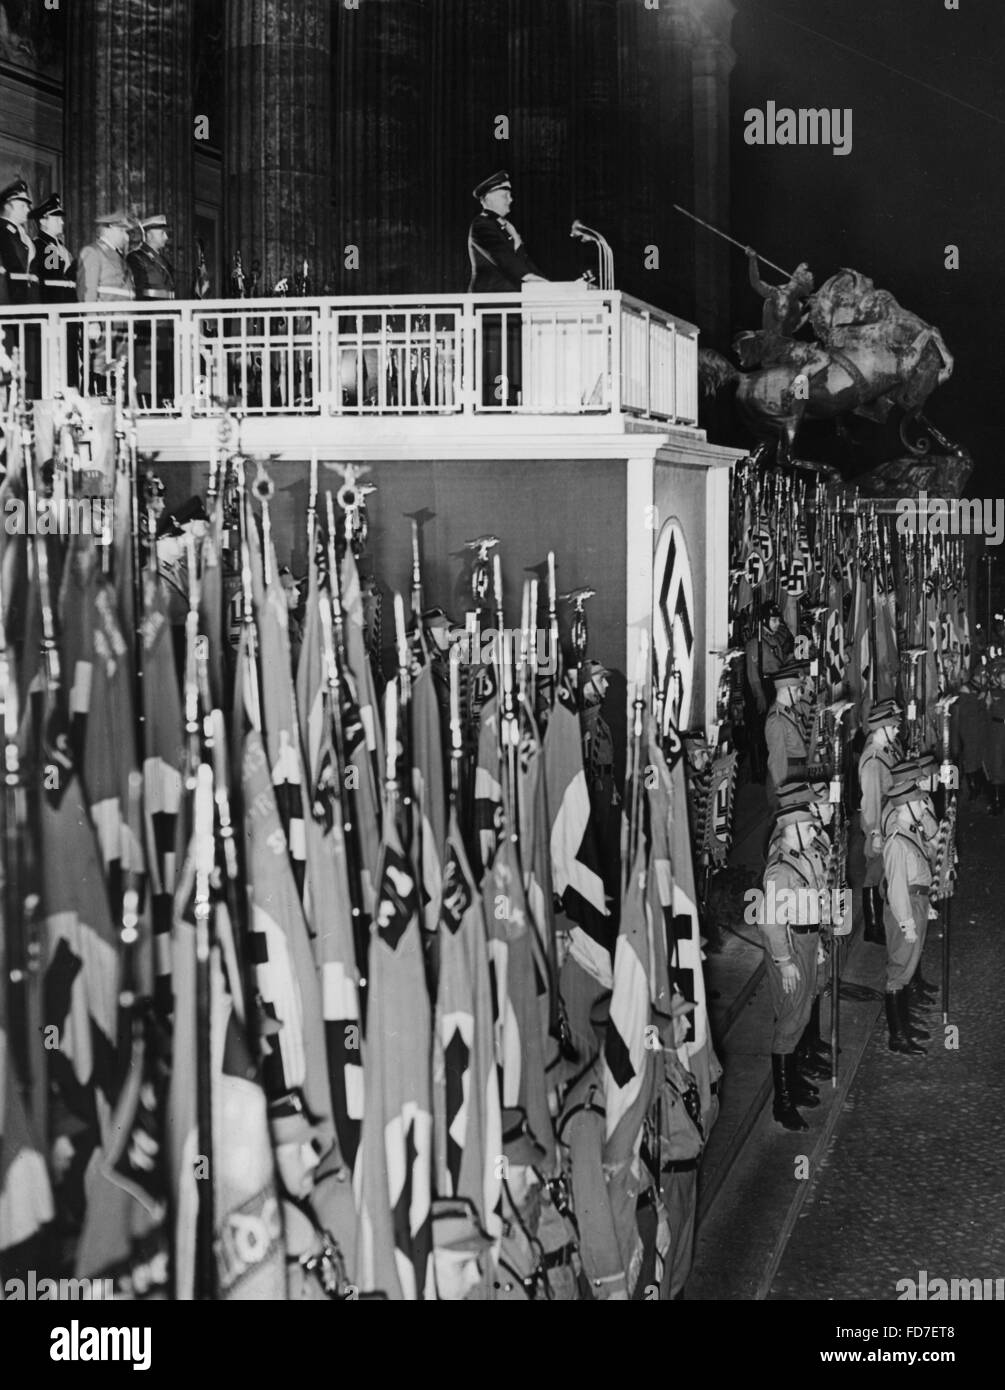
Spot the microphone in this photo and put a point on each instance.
(605, 257)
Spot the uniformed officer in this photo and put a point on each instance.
(17, 250)
(153, 276)
(875, 775)
(153, 273)
(908, 881)
(499, 264)
(921, 772)
(682, 1137)
(57, 269)
(457, 1271)
(783, 731)
(103, 273)
(770, 647)
(789, 919)
(994, 757)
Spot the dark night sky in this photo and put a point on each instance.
(924, 171)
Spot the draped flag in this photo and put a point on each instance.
(364, 751)
(860, 665)
(466, 1083)
(279, 720)
(575, 863)
(98, 680)
(328, 903)
(671, 890)
(518, 982)
(164, 759)
(393, 1178)
(82, 959)
(430, 793)
(628, 1064)
(26, 1204)
(280, 949)
(488, 788)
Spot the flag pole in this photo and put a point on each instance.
(732, 240)
(204, 844)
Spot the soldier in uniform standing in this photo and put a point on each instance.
(104, 277)
(153, 276)
(19, 277)
(783, 731)
(921, 772)
(908, 881)
(789, 920)
(770, 648)
(57, 269)
(499, 264)
(875, 775)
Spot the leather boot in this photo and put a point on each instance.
(784, 1109)
(913, 1019)
(900, 1039)
(872, 915)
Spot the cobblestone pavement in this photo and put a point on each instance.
(914, 1177)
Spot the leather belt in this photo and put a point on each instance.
(801, 929)
(113, 292)
(23, 275)
(158, 294)
(681, 1165)
(61, 284)
(923, 888)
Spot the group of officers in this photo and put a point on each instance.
(43, 269)
(806, 913)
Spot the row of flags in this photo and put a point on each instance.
(861, 589)
(292, 984)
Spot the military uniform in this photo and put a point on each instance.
(605, 803)
(875, 776)
(152, 272)
(908, 878)
(787, 750)
(790, 871)
(17, 251)
(681, 1139)
(580, 1131)
(103, 275)
(57, 269)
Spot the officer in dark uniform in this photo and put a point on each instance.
(598, 762)
(153, 276)
(57, 268)
(19, 279)
(769, 648)
(499, 265)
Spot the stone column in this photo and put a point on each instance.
(277, 153)
(713, 62)
(595, 152)
(384, 137)
(128, 118)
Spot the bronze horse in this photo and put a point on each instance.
(871, 355)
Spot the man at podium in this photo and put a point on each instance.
(499, 265)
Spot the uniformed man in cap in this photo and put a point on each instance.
(499, 264)
(682, 1138)
(103, 273)
(292, 592)
(460, 1252)
(908, 878)
(57, 269)
(19, 281)
(153, 277)
(18, 258)
(784, 734)
(921, 773)
(875, 776)
(769, 647)
(789, 919)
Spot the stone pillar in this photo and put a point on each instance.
(713, 62)
(128, 118)
(595, 153)
(277, 154)
(384, 139)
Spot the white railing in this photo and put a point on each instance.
(560, 350)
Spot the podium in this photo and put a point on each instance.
(565, 338)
